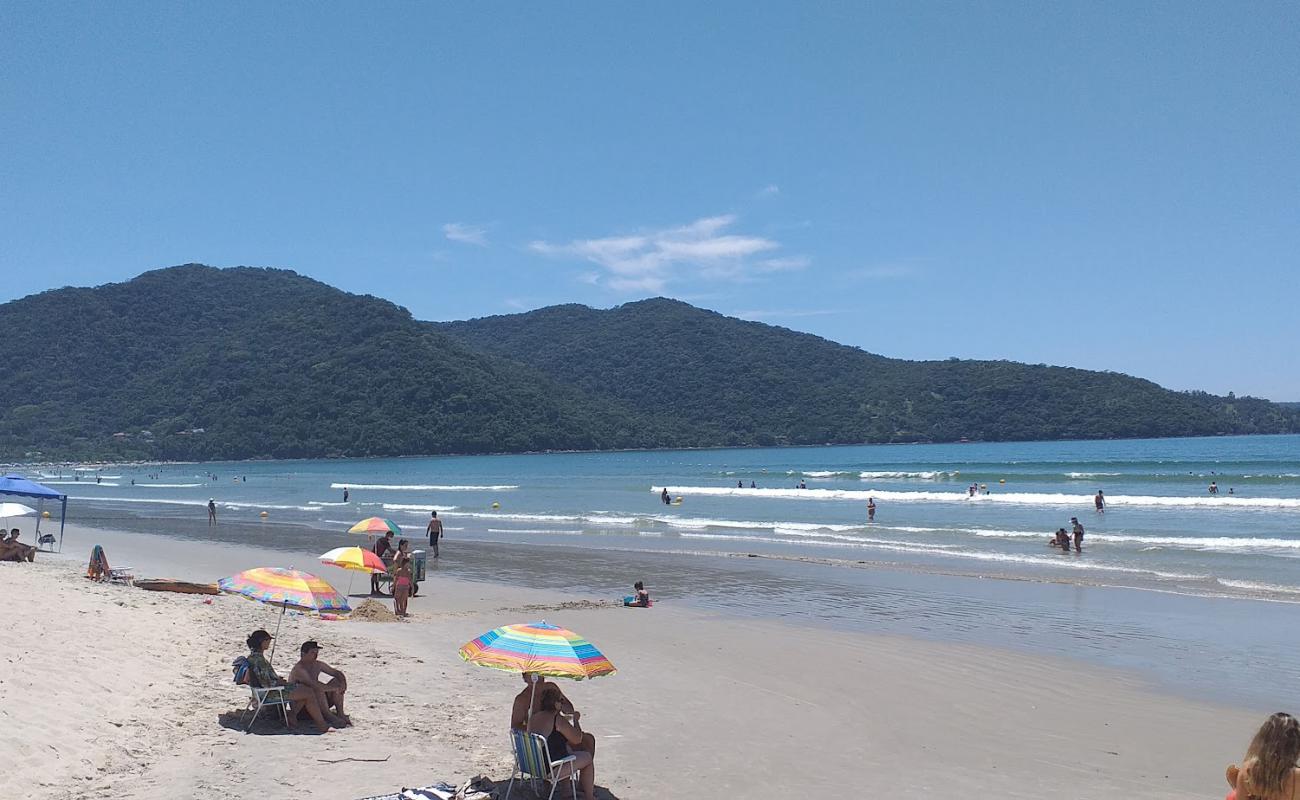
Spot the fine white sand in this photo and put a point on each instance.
(108, 691)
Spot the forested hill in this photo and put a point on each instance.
(740, 382)
(199, 363)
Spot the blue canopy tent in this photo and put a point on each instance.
(20, 486)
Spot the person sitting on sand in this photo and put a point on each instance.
(1270, 770)
(13, 550)
(564, 738)
(639, 600)
(329, 694)
(262, 676)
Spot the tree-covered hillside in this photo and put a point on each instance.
(199, 363)
(738, 382)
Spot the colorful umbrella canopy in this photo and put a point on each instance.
(375, 525)
(355, 558)
(287, 588)
(538, 647)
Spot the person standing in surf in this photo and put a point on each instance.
(434, 530)
(1078, 534)
(1100, 502)
(871, 509)
(212, 511)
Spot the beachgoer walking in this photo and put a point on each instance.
(871, 509)
(1099, 502)
(665, 497)
(1078, 534)
(345, 494)
(753, 485)
(1214, 487)
(212, 511)
(434, 530)
(740, 484)
(1270, 770)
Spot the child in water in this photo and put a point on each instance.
(639, 600)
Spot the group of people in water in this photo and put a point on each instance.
(1062, 539)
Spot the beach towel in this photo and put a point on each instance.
(479, 788)
(97, 570)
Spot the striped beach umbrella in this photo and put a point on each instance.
(354, 558)
(376, 526)
(538, 647)
(286, 588)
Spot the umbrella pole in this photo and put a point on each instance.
(532, 697)
(277, 633)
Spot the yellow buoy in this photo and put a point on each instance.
(1002, 480)
(264, 514)
(45, 514)
(496, 505)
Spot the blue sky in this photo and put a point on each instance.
(1111, 185)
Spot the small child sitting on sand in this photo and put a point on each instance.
(639, 600)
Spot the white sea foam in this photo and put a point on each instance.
(322, 503)
(150, 500)
(1259, 587)
(560, 531)
(925, 476)
(1016, 498)
(1078, 475)
(1228, 544)
(167, 485)
(422, 487)
(86, 482)
(424, 508)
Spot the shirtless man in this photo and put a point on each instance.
(328, 694)
(519, 711)
(434, 529)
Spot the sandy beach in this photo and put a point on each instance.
(111, 691)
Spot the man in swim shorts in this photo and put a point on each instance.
(329, 694)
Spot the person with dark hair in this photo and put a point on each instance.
(639, 600)
(1078, 534)
(1099, 502)
(263, 676)
(1271, 768)
(329, 694)
(382, 546)
(434, 529)
(564, 738)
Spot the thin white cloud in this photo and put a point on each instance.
(650, 260)
(769, 190)
(465, 233)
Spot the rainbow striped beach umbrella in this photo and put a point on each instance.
(538, 647)
(376, 525)
(354, 558)
(286, 588)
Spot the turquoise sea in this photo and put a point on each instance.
(1201, 589)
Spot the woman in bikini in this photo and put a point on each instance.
(1270, 770)
(562, 737)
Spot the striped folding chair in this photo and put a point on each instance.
(533, 762)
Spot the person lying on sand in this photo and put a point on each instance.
(329, 695)
(1270, 770)
(262, 676)
(519, 711)
(565, 738)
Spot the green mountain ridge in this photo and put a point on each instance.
(199, 363)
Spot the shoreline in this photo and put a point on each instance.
(682, 705)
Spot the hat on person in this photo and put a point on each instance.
(310, 644)
(257, 637)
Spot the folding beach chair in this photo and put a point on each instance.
(259, 698)
(99, 570)
(533, 761)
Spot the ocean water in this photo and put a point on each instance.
(1198, 592)
(1161, 530)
